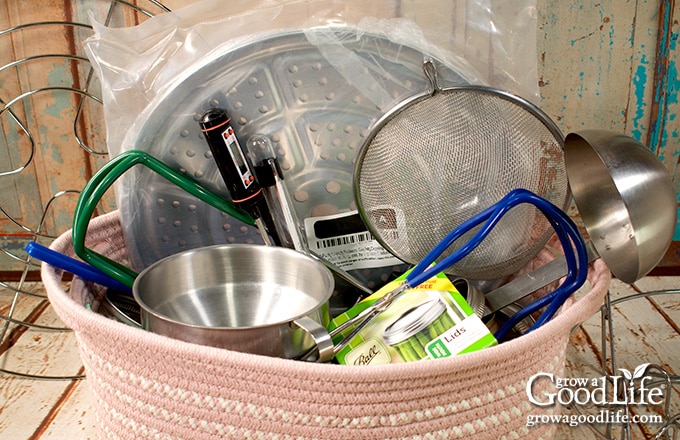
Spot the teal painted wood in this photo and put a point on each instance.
(613, 65)
(664, 135)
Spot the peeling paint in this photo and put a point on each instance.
(63, 104)
(54, 150)
(639, 85)
(672, 88)
(59, 76)
(665, 80)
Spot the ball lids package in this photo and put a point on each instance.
(430, 321)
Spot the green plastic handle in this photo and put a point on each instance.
(103, 179)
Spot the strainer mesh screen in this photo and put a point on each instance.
(446, 157)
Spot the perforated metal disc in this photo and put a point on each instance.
(438, 160)
(316, 106)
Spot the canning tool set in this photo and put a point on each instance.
(428, 266)
(450, 176)
(267, 165)
(435, 166)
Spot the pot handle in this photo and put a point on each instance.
(322, 339)
(102, 181)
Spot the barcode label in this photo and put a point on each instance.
(344, 240)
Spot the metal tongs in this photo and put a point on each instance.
(566, 230)
(114, 169)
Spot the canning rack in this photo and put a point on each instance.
(85, 113)
(24, 106)
(610, 368)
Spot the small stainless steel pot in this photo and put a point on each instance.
(257, 299)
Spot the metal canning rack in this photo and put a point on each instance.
(29, 102)
(33, 152)
(610, 369)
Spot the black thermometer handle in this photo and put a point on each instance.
(230, 158)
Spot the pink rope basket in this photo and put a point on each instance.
(148, 386)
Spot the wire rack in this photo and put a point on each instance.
(668, 426)
(44, 163)
(53, 140)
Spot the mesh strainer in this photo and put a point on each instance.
(439, 158)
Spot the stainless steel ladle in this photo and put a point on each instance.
(628, 205)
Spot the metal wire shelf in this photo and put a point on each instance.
(610, 369)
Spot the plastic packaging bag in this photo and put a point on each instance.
(493, 42)
(313, 76)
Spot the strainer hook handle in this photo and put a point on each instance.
(431, 73)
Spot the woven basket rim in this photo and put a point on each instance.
(80, 319)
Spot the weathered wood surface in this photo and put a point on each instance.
(613, 65)
(600, 64)
(645, 330)
(28, 403)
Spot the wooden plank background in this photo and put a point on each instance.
(608, 64)
(613, 65)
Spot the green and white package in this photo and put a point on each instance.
(431, 321)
